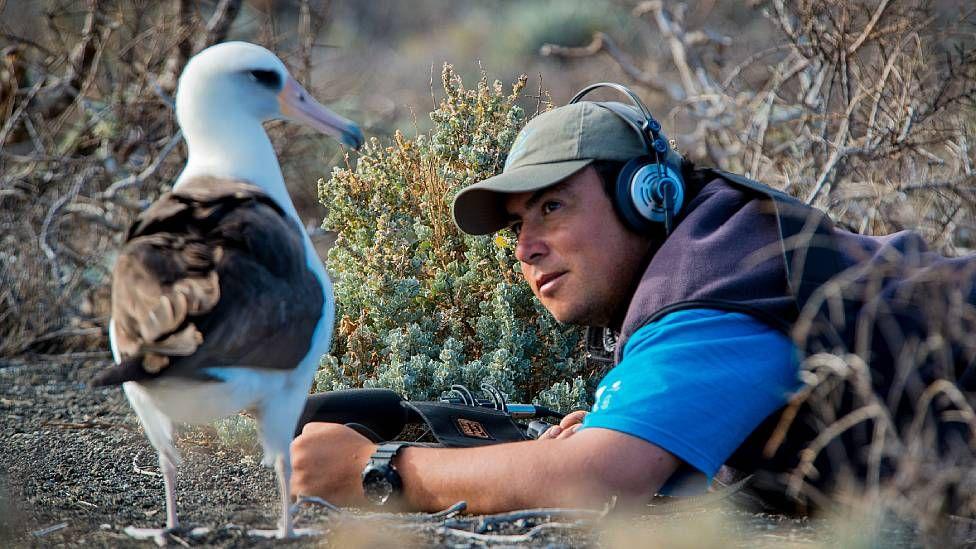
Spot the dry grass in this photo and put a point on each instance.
(89, 138)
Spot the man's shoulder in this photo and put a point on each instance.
(719, 179)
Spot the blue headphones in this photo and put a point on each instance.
(649, 189)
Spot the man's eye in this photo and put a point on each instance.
(550, 206)
(515, 229)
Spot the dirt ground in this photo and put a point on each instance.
(75, 469)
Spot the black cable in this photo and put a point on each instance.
(542, 411)
(666, 188)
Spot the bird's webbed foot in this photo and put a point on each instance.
(166, 536)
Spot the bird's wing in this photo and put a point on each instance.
(212, 274)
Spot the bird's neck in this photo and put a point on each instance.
(234, 148)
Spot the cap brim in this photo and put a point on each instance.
(480, 208)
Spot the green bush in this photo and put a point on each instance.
(422, 306)
(527, 26)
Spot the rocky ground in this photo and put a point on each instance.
(76, 469)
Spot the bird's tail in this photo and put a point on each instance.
(130, 369)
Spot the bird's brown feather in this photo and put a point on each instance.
(212, 274)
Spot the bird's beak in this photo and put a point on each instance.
(296, 104)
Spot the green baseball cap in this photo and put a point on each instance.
(551, 147)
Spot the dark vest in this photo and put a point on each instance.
(744, 247)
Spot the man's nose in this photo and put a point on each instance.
(530, 248)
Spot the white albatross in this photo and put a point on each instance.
(219, 301)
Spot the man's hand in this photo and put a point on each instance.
(327, 461)
(567, 427)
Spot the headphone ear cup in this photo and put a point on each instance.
(639, 193)
(623, 199)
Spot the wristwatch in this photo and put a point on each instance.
(381, 481)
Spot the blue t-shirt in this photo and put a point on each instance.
(696, 383)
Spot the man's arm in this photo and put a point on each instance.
(580, 470)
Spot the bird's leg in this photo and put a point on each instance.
(168, 469)
(276, 421)
(282, 465)
(283, 469)
(277, 425)
(162, 536)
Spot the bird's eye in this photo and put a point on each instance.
(270, 79)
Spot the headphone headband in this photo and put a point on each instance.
(654, 140)
(620, 88)
(649, 189)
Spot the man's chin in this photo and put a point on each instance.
(574, 318)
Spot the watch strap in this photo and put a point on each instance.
(385, 452)
(380, 463)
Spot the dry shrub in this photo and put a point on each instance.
(863, 108)
(89, 139)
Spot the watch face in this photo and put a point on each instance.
(376, 486)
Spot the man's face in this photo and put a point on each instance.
(577, 256)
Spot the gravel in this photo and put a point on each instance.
(75, 468)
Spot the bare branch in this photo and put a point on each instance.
(58, 96)
(220, 22)
(15, 117)
(144, 175)
(868, 28)
(43, 238)
(675, 35)
(184, 46)
(603, 43)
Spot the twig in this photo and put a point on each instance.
(313, 500)
(140, 470)
(458, 507)
(488, 522)
(165, 97)
(65, 332)
(675, 36)
(9, 124)
(493, 520)
(184, 46)
(73, 356)
(949, 389)
(220, 22)
(85, 425)
(59, 96)
(150, 171)
(809, 454)
(28, 42)
(868, 28)
(93, 213)
(49, 220)
(49, 530)
(603, 43)
(502, 538)
(749, 61)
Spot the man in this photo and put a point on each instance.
(704, 302)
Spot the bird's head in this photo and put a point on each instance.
(246, 80)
